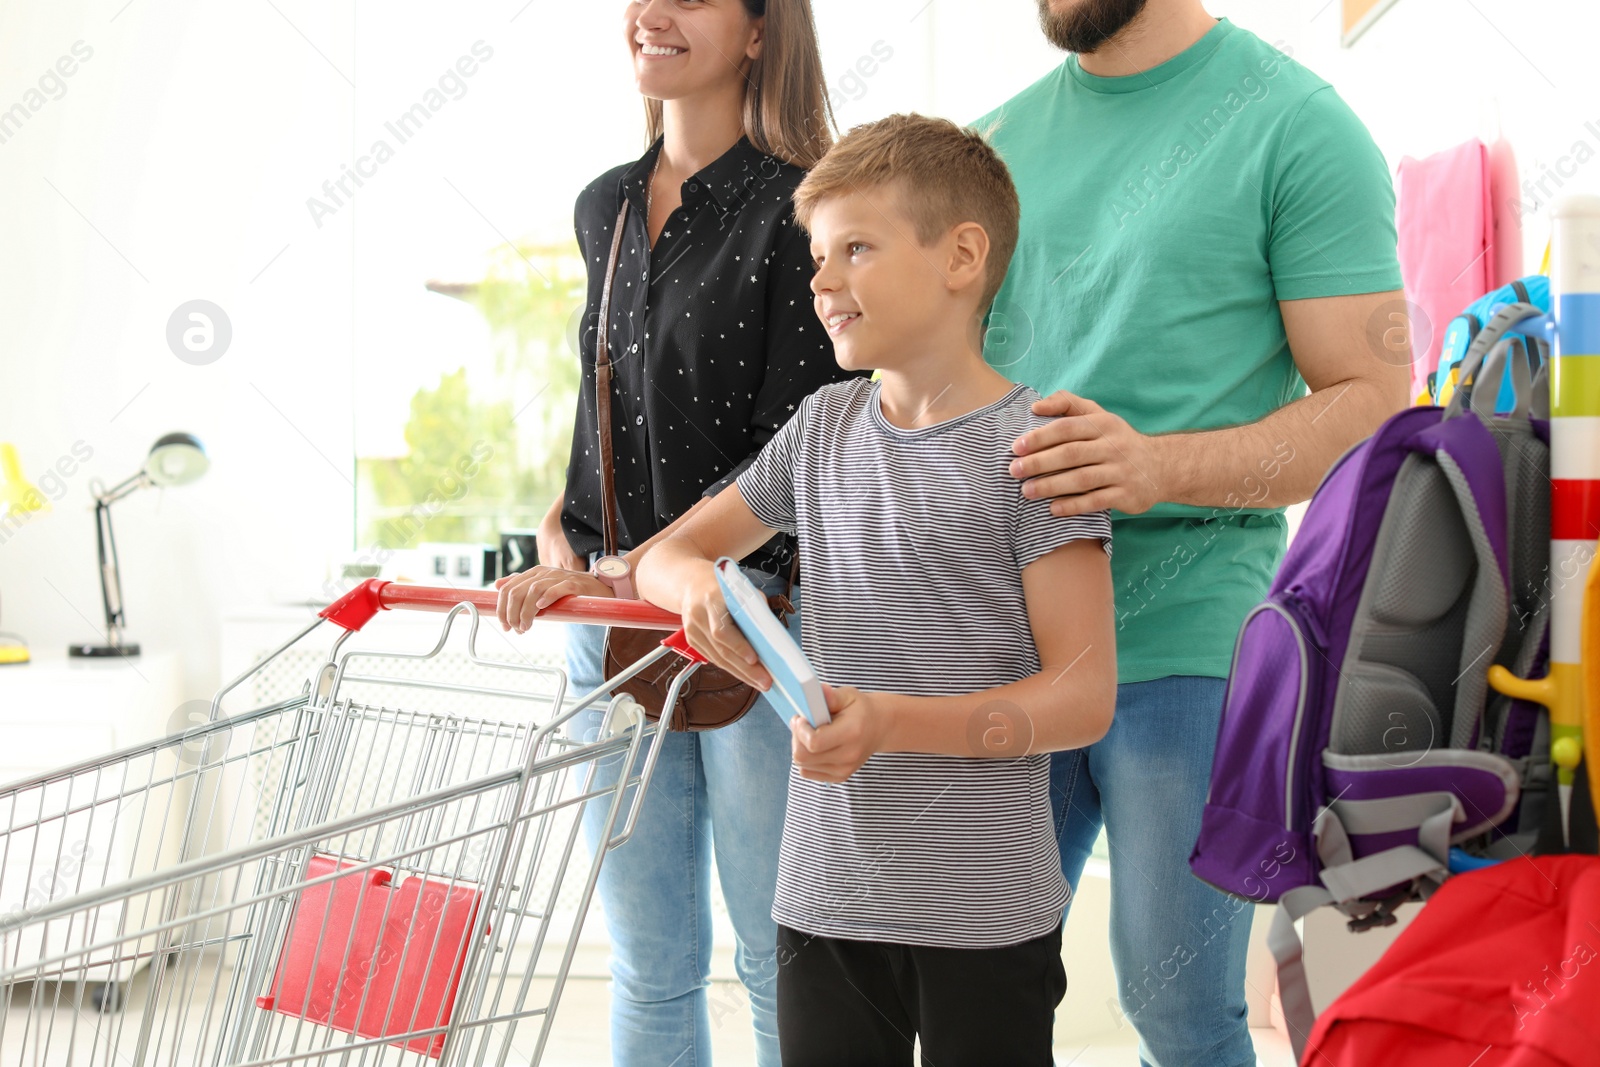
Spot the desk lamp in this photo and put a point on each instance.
(176, 459)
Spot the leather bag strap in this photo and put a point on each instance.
(602, 393)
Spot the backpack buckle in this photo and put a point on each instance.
(1382, 914)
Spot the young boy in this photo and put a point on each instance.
(963, 630)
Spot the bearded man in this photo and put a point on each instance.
(1206, 291)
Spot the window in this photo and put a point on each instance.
(467, 281)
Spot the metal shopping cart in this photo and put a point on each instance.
(364, 879)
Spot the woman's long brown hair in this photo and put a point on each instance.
(786, 110)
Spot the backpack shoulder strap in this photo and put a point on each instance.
(1475, 368)
(1419, 870)
(1469, 457)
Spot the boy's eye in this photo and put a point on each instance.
(856, 248)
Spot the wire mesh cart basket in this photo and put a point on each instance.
(364, 879)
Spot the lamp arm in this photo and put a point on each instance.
(110, 574)
(123, 488)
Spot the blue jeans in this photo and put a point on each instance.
(721, 792)
(1178, 944)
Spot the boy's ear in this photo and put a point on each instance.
(969, 255)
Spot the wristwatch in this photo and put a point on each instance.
(616, 573)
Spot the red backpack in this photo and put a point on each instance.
(1501, 969)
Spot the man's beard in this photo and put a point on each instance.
(1089, 24)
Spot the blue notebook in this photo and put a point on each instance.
(796, 689)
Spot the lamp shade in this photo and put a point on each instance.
(176, 459)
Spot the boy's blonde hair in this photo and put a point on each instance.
(948, 174)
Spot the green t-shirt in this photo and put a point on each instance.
(1164, 215)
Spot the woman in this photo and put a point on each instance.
(713, 342)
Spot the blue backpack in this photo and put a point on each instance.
(1463, 329)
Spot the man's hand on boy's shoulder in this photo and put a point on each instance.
(836, 750)
(1087, 459)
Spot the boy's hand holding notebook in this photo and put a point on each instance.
(796, 689)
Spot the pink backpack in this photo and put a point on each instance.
(1445, 218)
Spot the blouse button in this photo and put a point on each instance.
(638, 420)
(694, 187)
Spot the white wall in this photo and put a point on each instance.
(155, 179)
(177, 164)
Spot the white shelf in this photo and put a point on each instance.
(56, 711)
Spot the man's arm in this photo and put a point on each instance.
(1068, 704)
(1354, 353)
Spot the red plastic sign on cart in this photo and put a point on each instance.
(369, 959)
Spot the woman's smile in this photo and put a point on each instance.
(660, 51)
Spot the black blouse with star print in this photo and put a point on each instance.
(714, 342)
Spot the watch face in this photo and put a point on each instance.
(611, 566)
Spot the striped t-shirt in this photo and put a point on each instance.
(912, 546)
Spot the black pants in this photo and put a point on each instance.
(861, 1003)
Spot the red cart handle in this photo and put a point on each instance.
(353, 610)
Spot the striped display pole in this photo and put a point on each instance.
(1575, 479)
(1574, 493)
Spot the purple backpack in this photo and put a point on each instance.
(1360, 740)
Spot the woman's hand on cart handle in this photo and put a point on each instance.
(520, 597)
(713, 633)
